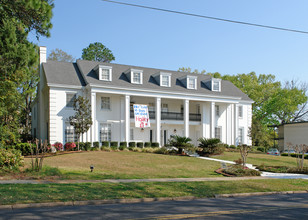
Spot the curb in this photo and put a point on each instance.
(142, 200)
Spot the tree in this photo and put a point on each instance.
(97, 52)
(17, 58)
(189, 70)
(82, 119)
(181, 143)
(60, 55)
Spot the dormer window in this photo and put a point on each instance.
(216, 85)
(136, 76)
(165, 79)
(191, 82)
(104, 72)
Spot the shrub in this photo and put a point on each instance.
(294, 155)
(123, 144)
(10, 159)
(140, 144)
(114, 145)
(161, 150)
(105, 143)
(87, 146)
(238, 170)
(148, 150)
(154, 144)
(58, 146)
(136, 149)
(69, 146)
(25, 148)
(131, 144)
(147, 144)
(81, 146)
(232, 146)
(211, 146)
(108, 149)
(261, 149)
(96, 145)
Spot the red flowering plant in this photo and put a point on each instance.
(69, 146)
(58, 146)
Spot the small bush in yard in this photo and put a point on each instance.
(210, 146)
(81, 146)
(96, 145)
(87, 146)
(25, 148)
(261, 149)
(154, 144)
(131, 144)
(140, 144)
(114, 145)
(58, 146)
(238, 170)
(147, 144)
(123, 146)
(108, 149)
(70, 146)
(105, 143)
(10, 159)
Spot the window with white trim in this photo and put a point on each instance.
(191, 82)
(216, 85)
(70, 135)
(105, 103)
(104, 72)
(70, 98)
(217, 110)
(165, 80)
(136, 76)
(240, 135)
(105, 132)
(240, 111)
(164, 107)
(218, 132)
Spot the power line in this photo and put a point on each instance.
(208, 17)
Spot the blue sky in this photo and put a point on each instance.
(162, 40)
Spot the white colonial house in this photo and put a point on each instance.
(179, 103)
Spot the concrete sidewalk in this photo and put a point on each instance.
(130, 180)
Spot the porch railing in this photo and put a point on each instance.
(177, 116)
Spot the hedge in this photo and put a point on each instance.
(294, 155)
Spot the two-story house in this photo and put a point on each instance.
(179, 103)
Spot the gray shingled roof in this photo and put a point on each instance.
(63, 73)
(75, 73)
(119, 79)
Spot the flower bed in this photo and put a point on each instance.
(238, 170)
(282, 169)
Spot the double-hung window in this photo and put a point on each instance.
(70, 135)
(165, 80)
(105, 132)
(105, 103)
(191, 82)
(240, 135)
(136, 76)
(105, 74)
(216, 85)
(164, 107)
(70, 98)
(218, 132)
(217, 110)
(240, 111)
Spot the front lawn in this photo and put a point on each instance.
(129, 165)
(258, 159)
(31, 193)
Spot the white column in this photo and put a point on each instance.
(122, 118)
(127, 117)
(203, 120)
(186, 117)
(93, 114)
(212, 125)
(236, 124)
(158, 119)
(228, 125)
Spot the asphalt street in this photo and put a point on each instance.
(289, 206)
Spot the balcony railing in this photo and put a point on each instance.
(172, 116)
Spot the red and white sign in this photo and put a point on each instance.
(142, 117)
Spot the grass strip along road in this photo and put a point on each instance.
(33, 193)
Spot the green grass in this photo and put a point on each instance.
(258, 159)
(29, 193)
(128, 165)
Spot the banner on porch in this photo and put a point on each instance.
(142, 117)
